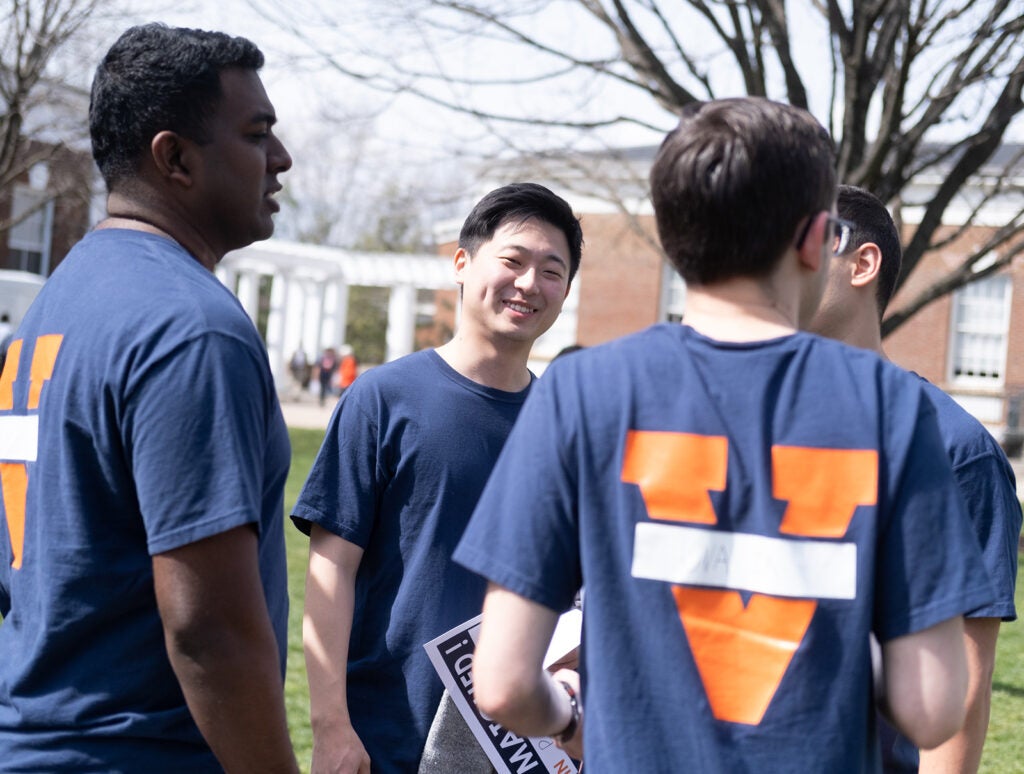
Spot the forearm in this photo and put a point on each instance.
(326, 629)
(962, 753)
(509, 682)
(540, 708)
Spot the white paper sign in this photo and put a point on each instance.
(452, 657)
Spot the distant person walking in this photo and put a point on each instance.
(299, 368)
(326, 367)
(349, 368)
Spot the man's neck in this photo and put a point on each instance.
(860, 328)
(499, 367)
(739, 310)
(866, 337)
(138, 213)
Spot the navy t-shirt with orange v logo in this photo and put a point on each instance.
(137, 415)
(742, 516)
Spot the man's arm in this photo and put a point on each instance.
(326, 628)
(222, 647)
(926, 682)
(509, 680)
(962, 753)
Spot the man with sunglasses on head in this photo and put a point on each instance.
(861, 282)
(740, 500)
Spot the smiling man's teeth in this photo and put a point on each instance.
(520, 308)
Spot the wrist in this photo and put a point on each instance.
(567, 733)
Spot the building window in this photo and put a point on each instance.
(981, 323)
(426, 308)
(673, 294)
(29, 237)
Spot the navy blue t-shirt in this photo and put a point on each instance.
(742, 516)
(989, 490)
(138, 415)
(406, 455)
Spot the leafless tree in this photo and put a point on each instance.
(37, 96)
(920, 94)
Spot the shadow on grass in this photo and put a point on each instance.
(1011, 690)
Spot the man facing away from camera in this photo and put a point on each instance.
(740, 500)
(861, 282)
(142, 448)
(406, 455)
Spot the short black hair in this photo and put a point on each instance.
(731, 183)
(873, 223)
(156, 78)
(518, 202)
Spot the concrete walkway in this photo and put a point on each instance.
(306, 412)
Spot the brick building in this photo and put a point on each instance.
(46, 208)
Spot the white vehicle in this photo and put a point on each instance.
(17, 291)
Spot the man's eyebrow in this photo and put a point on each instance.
(264, 117)
(557, 259)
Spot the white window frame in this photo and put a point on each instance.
(34, 234)
(991, 300)
(673, 294)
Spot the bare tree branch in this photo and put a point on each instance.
(918, 90)
(32, 33)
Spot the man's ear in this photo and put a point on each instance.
(461, 261)
(867, 263)
(810, 254)
(172, 157)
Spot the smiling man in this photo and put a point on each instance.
(142, 448)
(407, 452)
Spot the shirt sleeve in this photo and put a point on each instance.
(342, 490)
(195, 430)
(928, 566)
(989, 492)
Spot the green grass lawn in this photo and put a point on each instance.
(305, 444)
(1004, 747)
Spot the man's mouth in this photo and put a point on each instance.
(521, 308)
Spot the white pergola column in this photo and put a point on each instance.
(333, 315)
(249, 292)
(227, 276)
(401, 321)
(341, 311)
(280, 293)
(308, 314)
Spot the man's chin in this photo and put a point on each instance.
(265, 231)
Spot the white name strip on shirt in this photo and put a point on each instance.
(19, 438)
(781, 567)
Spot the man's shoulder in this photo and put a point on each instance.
(964, 436)
(396, 378)
(401, 368)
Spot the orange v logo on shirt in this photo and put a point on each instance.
(743, 651)
(19, 434)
